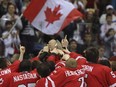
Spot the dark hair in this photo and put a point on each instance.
(25, 65)
(43, 70)
(8, 22)
(104, 62)
(51, 65)
(3, 63)
(109, 30)
(91, 54)
(43, 56)
(100, 46)
(113, 64)
(10, 3)
(2, 48)
(85, 34)
(35, 63)
(72, 41)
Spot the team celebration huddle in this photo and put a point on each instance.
(56, 66)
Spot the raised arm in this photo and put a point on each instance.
(22, 51)
(65, 43)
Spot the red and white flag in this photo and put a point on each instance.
(50, 16)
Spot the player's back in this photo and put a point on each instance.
(23, 79)
(4, 82)
(11, 68)
(63, 77)
(5, 73)
(98, 75)
(74, 78)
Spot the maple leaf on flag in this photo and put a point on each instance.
(52, 16)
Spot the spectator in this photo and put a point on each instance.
(113, 46)
(109, 42)
(92, 21)
(89, 15)
(11, 40)
(105, 27)
(101, 4)
(12, 16)
(109, 10)
(3, 7)
(101, 50)
(88, 40)
(75, 47)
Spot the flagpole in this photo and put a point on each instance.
(13, 27)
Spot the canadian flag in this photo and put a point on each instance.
(51, 16)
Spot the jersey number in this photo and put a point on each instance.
(29, 85)
(82, 80)
(113, 75)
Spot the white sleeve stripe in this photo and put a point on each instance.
(80, 57)
(52, 82)
(46, 83)
(113, 85)
(63, 63)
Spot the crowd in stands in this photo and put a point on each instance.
(82, 55)
(96, 28)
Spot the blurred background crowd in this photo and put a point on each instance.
(96, 28)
